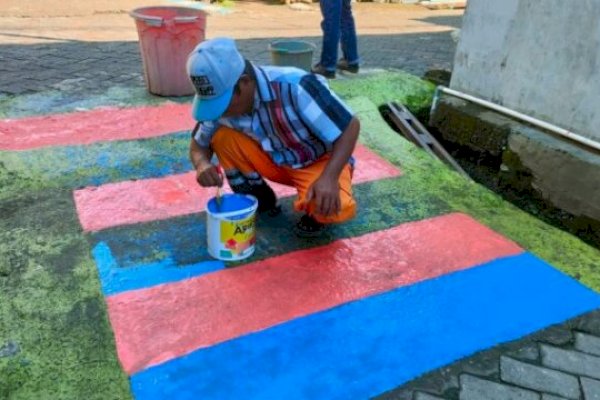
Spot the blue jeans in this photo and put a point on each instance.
(338, 25)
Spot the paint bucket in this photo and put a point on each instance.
(167, 36)
(294, 53)
(231, 226)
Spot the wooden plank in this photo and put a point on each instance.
(414, 131)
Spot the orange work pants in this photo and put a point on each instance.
(236, 150)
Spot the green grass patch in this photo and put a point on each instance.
(415, 93)
(55, 339)
(55, 333)
(435, 180)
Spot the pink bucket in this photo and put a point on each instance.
(167, 36)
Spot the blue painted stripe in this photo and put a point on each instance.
(115, 279)
(105, 162)
(366, 347)
(182, 240)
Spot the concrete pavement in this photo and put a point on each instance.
(89, 47)
(93, 47)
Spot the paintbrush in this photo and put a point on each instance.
(218, 196)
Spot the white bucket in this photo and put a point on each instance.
(231, 226)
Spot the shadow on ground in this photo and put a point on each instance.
(445, 20)
(75, 67)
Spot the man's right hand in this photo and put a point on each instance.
(208, 175)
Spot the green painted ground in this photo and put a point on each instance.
(54, 324)
(430, 176)
(56, 101)
(55, 340)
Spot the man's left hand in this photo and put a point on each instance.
(325, 192)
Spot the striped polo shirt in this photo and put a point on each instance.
(296, 116)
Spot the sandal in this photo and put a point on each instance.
(344, 65)
(273, 212)
(308, 227)
(319, 69)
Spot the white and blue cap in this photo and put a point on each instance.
(214, 68)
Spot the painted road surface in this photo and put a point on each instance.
(125, 254)
(99, 125)
(292, 324)
(160, 198)
(156, 324)
(349, 317)
(419, 279)
(366, 347)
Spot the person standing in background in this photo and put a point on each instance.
(338, 27)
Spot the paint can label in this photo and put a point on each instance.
(238, 236)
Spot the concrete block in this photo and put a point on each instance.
(557, 335)
(574, 362)
(539, 378)
(591, 389)
(562, 171)
(546, 396)
(587, 343)
(471, 126)
(590, 323)
(473, 388)
(426, 396)
(528, 352)
(526, 162)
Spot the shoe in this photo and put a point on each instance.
(267, 201)
(308, 227)
(319, 69)
(344, 66)
(273, 212)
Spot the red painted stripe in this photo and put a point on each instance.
(85, 127)
(167, 321)
(151, 199)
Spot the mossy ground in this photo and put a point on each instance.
(51, 308)
(55, 339)
(559, 248)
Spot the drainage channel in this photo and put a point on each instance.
(485, 169)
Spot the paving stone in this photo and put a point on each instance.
(20, 55)
(45, 75)
(591, 389)
(72, 57)
(15, 66)
(9, 77)
(485, 364)
(557, 335)
(587, 343)
(14, 88)
(442, 382)
(426, 396)
(539, 378)
(571, 361)
(529, 352)
(414, 53)
(590, 323)
(546, 396)
(473, 388)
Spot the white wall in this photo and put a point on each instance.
(538, 57)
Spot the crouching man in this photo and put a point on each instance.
(277, 123)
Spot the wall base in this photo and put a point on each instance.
(544, 174)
